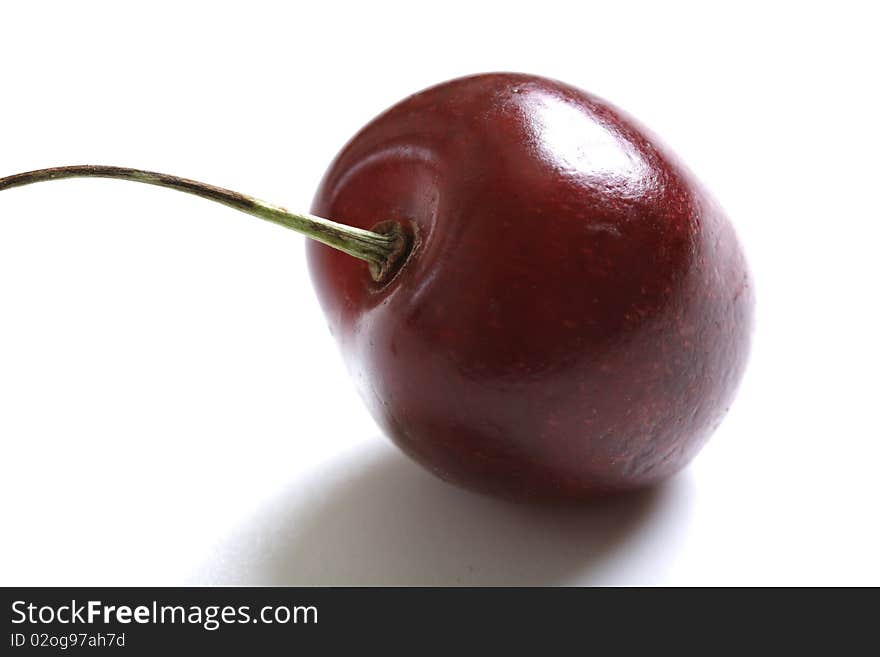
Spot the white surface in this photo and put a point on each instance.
(173, 409)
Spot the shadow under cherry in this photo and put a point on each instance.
(391, 523)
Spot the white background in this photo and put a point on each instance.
(173, 409)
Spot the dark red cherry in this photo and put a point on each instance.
(543, 303)
(574, 316)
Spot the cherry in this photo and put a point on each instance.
(553, 307)
(575, 316)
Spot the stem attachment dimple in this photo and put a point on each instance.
(401, 247)
(385, 248)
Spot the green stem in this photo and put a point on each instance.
(384, 251)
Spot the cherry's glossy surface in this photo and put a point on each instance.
(575, 317)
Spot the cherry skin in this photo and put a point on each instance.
(575, 315)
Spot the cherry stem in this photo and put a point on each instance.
(384, 251)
